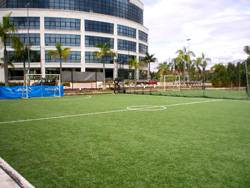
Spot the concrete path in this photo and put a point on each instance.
(6, 181)
(10, 178)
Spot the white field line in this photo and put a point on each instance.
(190, 103)
(61, 117)
(57, 99)
(51, 99)
(98, 113)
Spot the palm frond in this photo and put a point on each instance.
(247, 50)
(53, 53)
(133, 63)
(65, 53)
(104, 51)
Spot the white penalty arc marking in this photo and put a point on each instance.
(146, 108)
(190, 103)
(105, 112)
(152, 108)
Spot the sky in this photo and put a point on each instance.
(219, 28)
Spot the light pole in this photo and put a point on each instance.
(28, 34)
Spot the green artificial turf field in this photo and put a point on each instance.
(99, 142)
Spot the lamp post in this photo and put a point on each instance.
(28, 34)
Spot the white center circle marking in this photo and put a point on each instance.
(146, 108)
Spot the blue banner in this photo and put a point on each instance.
(18, 92)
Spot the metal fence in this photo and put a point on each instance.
(187, 90)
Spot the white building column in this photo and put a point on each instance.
(138, 54)
(115, 70)
(83, 66)
(42, 46)
(1, 75)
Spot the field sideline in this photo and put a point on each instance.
(127, 141)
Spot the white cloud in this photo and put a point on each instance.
(220, 28)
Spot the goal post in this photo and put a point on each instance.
(171, 82)
(39, 85)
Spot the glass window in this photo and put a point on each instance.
(26, 22)
(33, 39)
(62, 23)
(141, 58)
(90, 57)
(126, 45)
(93, 41)
(143, 48)
(126, 31)
(64, 39)
(124, 59)
(143, 36)
(74, 57)
(35, 56)
(101, 27)
(119, 8)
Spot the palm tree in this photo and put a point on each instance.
(148, 59)
(204, 63)
(6, 28)
(197, 64)
(201, 65)
(9, 62)
(247, 50)
(21, 52)
(136, 65)
(104, 51)
(184, 56)
(61, 53)
(177, 66)
(163, 69)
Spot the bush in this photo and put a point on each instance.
(15, 84)
(66, 84)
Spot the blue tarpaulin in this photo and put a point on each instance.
(18, 92)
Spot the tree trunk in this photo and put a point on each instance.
(104, 77)
(5, 65)
(188, 72)
(24, 71)
(137, 74)
(179, 81)
(61, 69)
(149, 76)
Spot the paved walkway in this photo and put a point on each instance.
(6, 181)
(11, 179)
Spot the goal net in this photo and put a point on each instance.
(38, 85)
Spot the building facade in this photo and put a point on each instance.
(80, 25)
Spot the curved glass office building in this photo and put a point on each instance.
(79, 25)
